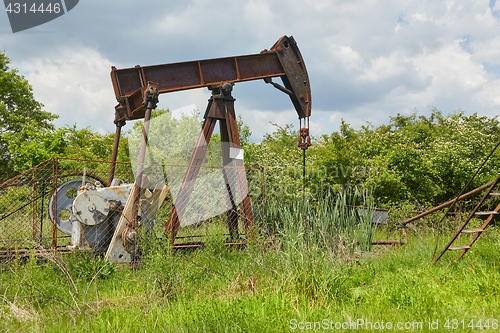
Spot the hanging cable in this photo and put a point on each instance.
(304, 142)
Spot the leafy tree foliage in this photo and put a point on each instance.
(414, 158)
(170, 140)
(24, 125)
(86, 144)
(282, 161)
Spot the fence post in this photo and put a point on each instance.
(55, 172)
(34, 219)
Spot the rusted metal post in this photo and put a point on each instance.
(55, 174)
(263, 189)
(119, 124)
(34, 218)
(234, 170)
(150, 102)
(447, 203)
(193, 169)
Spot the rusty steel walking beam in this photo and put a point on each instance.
(282, 60)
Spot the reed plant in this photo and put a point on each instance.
(339, 222)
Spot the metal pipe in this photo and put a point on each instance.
(140, 164)
(55, 173)
(386, 242)
(114, 154)
(150, 102)
(446, 204)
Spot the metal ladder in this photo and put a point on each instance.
(475, 232)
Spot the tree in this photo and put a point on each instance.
(38, 147)
(340, 157)
(170, 140)
(89, 145)
(24, 125)
(414, 158)
(281, 159)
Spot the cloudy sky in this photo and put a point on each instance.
(367, 59)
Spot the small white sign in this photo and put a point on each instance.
(236, 153)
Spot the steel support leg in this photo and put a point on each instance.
(220, 107)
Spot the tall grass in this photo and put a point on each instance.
(338, 223)
(311, 272)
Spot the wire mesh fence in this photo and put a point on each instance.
(70, 202)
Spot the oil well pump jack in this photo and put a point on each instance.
(137, 90)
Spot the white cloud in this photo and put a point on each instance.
(347, 57)
(452, 70)
(489, 95)
(367, 60)
(487, 51)
(383, 68)
(74, 84)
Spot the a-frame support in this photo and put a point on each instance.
(220, 108)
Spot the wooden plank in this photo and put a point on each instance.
(471, 231)
(456, 248)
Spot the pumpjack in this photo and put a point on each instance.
(121, 210)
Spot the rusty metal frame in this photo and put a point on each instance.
(283, 60)
(220, 108)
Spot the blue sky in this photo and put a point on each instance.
(367, 59)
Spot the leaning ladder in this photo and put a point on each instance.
(475, 232)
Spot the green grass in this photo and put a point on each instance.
(310, 277)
